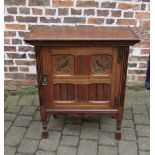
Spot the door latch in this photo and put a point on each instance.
(44, 82)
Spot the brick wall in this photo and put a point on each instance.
(21, 15)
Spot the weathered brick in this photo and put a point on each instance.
(126, 22)
(116, 13)
(31, 76)
(145, 51)
(15, 2)
(24, 10)
(50, 12)
(63, 11)
(141, 78)
(89, 12)
(8, 18)
(144, 23)
(142, 65)
(39, 3)
(102, 12)
(31, 56)
(108, 4)
(110, 21)
(87, 4)
(75, 11)
(124, 6)
(6, 41)
(9, 34)
(138, 58)
(37, 11)
(136, 7)
(26, 19)
(16, 41)
(142, 15)
(143, 6)
(12, 10)
(13, 69)
(131, 65)
(50, 20)
(24, 69)
(24, 62)
(5, 69)
(14, 75)
(16, 55)
(61, 3)
(15, 26)
(136, 71)
(8, 62)
(10, 48)
(128, 14)
(74, 20)
(95, 20)
(22, 34)
(25, 48)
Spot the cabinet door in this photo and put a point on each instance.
(80, 77)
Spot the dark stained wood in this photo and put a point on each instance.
(82, 70)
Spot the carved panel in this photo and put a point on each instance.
(100, 64)
(63, 64)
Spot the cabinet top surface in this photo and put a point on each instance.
(77, 33)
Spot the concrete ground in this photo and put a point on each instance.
(72, 136)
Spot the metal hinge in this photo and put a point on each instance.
(44, 81)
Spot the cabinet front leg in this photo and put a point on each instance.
(44, 123)
(119, 118)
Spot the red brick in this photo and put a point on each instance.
(59, 3)
(145, 51)
(10, 48)
(24, 10)
(63, 11)
(8, 18)
(126, 22)
(12, 10)
(6, 41)
(86, 4)
(9, 34)
(39, 3)
(13, 69)
(50, 20)
(136, 7)
(144, 23)
(50, 12)
(128, 14)
(26, 19)
(15, 26)
(74, 20)
(37, 11)
(142, 15)
(124, 6)
(8, 62)
(142, 45)
(142, 65)
(116, 13)
(89, 12)
(75, 11)
(108, 5)
(14, 2)
(102, 12)
(27, 82)
(96, 21)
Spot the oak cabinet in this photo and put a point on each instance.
(81, 70)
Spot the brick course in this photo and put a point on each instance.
(21, 16)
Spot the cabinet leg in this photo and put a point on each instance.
(44, 123)
(119, 118)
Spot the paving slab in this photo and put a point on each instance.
(69, 140)
(128, 123)
(9, 117)
(65, 150)
(9, 150)
(127, 148)
(50, 144)
(36, 100)
(72, 129)
(12, 100)
(7, 125)
(143, 130)
(90, 130)
(87, 147)
(40, 152)
(36, 116)
(26, 100)
(144, 153)
(141, 119)
(144, 143)
(128, 134)
(107, 150)
(22, 121)
(14, 136)
(28, 146)
(28, 110)
(13, 109)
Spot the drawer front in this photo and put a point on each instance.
(80, 77)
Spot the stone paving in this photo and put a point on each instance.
(76, 136)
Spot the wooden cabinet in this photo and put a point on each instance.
(81, 70)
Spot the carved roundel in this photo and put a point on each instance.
(63, 64)
(100, 64)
